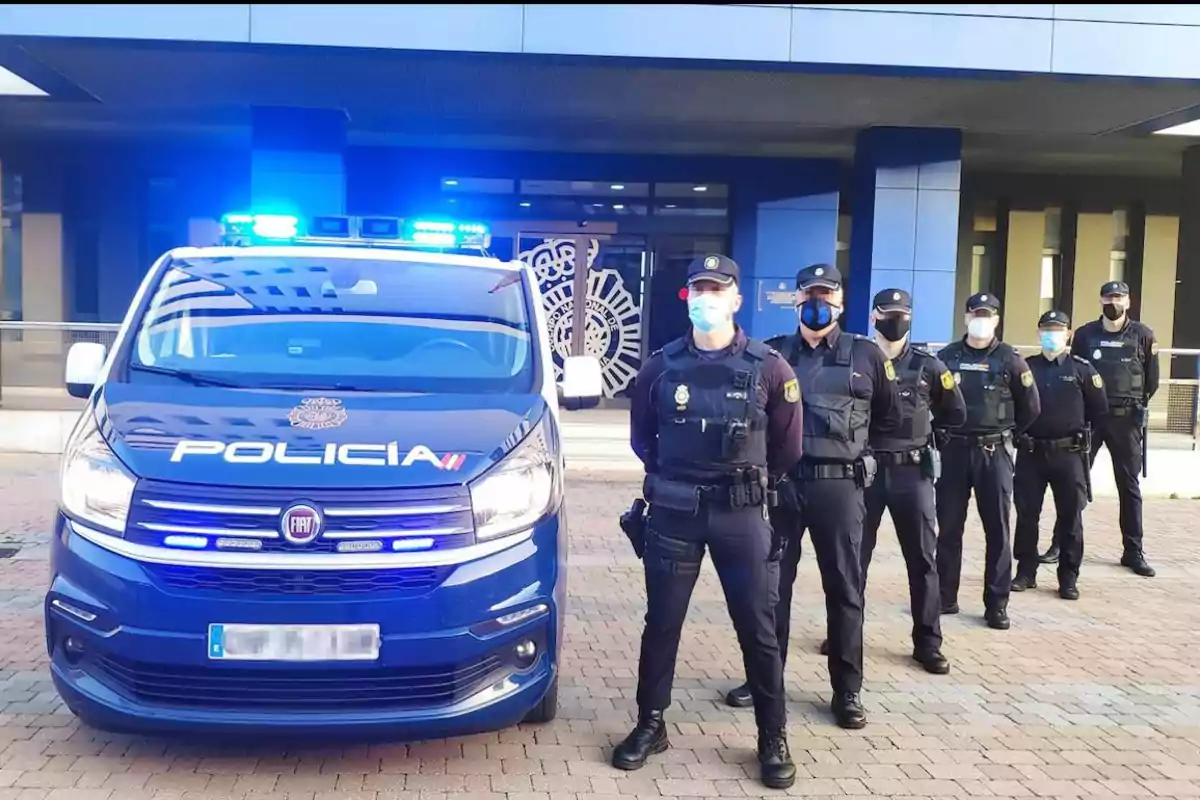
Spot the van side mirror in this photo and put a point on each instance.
(582, 384)
(85, 360)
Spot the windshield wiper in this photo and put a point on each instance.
(189, 377)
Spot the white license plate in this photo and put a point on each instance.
(293, 642)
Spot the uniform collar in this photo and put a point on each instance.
(1061, 358)
(740, 340)
(830, 339)
(991, 348)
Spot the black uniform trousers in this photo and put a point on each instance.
(1064, 471)
(988, 470)
(911, 500)
(1117, 431)
(740, 543)
(832, 511)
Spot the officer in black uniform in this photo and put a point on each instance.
(1125, 353)
(715, 417)
(1002, 400)
(848, 386)
(909, 465)
(1054, 451)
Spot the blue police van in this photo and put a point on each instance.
(317, 485)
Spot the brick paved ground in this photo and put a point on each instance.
(1098, 698)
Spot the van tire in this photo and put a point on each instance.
(547, 709)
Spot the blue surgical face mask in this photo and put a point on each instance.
(709, 312)
(1053, 341)
(817, 314)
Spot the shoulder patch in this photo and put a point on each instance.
(947, 381)
(889, 370)
(1027, 379)
(791, 390)
(1097, 381)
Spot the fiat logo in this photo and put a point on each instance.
(300, 524)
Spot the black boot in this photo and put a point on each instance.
(824, 648)
(997, 618)
(949, 608)
(740, 697)
(648, 738)
(1051, 555)
(933, 661)
(1137, 563)
(778, 771)
(1024, 581)
(848, 711)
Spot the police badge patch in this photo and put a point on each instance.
(1027, 379)
(791, 390)
(889, 370)
(1097, 381)
(318, 414)
(947, 381)
(682, 395)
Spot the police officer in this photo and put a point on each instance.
(1125, 353)
(847, 385)
(908, 468)
(1054, 450)
(1002, 399)
(714, 417)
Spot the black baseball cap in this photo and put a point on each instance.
(814, 275)
(716, 268)
(892, 300)
(1054, 317)
(983, 301)
(1114, 287)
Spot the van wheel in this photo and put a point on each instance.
(547, 709)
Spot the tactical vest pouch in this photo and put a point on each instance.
(931, 464)
(828, 417)
(673, 495)
(866, 468)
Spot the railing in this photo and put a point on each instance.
(33, 355)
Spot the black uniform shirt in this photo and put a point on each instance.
(780, 402)
(943, 395)
(1091, 340)
(874, 377)
(1071, 392)
(1027, 405)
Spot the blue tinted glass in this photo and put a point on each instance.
(351, 322)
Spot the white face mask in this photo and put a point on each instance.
(981, 327)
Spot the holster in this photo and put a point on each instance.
(676, 556)
(931, 463)
(865, 470)
(633, 523)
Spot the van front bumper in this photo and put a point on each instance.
(128, 643)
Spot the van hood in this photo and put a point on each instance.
(278, 439)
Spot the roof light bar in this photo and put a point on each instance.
(242, 230)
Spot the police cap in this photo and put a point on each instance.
(892, 300)
(983, 301)
(1054, 317)
(716, 268)
(815, 275)
(1114, 287)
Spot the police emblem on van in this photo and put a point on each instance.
(300, 524)
(318, 414)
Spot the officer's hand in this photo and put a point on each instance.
(1025, 442)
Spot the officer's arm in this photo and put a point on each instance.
(1150, 359)
(785, 415)
(643, 417)
(1026, 400)
(886, 413)
(946, 400)
(1095, 399)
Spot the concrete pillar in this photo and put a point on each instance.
(905, 228)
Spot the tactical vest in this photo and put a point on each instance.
(914, 430)
(835, 421)
(983, 380)
(709, 422)
(1118, 359)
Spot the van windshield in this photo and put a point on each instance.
(338, 323)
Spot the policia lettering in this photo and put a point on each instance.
(978, 456)
(846, 387)
(711, 426)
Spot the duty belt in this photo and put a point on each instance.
(1073, 443)
(899, 458)
(811, 472)
(981, 439)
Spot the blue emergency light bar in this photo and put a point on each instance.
(241, 230)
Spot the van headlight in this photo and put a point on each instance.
(519, 490)
(94, 485)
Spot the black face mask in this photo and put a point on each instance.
(1112, 311)
(893, 328)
